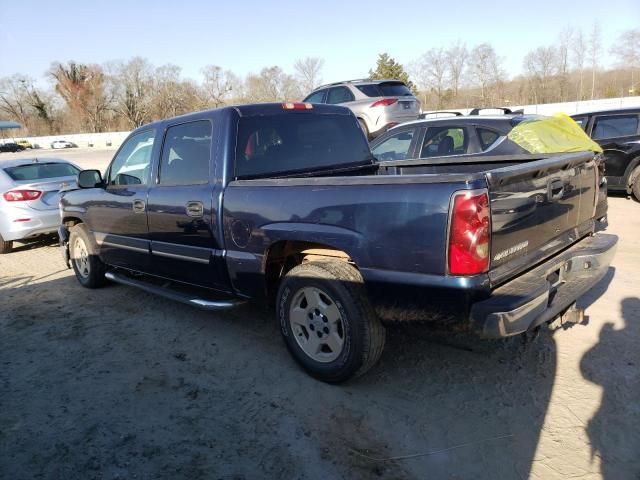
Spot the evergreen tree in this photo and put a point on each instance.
(388, 69)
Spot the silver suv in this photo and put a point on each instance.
(378, 104)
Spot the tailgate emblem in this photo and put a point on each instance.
(511, 250)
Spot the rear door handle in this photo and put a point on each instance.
(195, 209)
(139, 206)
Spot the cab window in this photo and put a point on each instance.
(186, 154)
(316, 97)
(396, 147)
(612, 126)
(132, 164)
(339, 95)
(444, 141)
(487, 138)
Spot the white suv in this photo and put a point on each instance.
(378, 104)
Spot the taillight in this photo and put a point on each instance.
(469, 233)
(385, 102)
(297, 106)
(21, 195)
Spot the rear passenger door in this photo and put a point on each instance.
(445, 141)
(181, 209)
(617, 135)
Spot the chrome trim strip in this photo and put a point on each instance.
(180, 257)
(125, 247)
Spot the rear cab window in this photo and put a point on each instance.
(611, 126)
(41, 171)
(285, 144)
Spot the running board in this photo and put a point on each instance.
(192, 300)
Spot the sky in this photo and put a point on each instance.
(247, 35)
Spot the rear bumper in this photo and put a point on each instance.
(40, 222)
(543, 293)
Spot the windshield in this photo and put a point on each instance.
(298, 141)
(39, 171)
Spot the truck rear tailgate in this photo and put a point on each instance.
(538, 209)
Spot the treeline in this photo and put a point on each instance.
(124, 95)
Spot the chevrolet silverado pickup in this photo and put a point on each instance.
(285, 204)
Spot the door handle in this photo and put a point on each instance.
(195, 209)
(139, 206)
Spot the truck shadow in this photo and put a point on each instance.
(113, 367)
(613, 364)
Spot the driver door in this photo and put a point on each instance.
(118, 218)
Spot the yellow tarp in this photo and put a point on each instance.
(556, 134)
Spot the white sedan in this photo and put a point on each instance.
(61, 144)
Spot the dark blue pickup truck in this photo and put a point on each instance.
(284, 203)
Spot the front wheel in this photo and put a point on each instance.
(6, 246)
(88, 268)
(327, 321)
(635, 186)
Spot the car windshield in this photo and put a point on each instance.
(395, 89)
(40, 171)
(296, 142)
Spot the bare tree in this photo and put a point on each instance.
(594, 50)
(219, 86)
(82, 87)
(132, 87)
(457, 56)
(562, 59)
(308, 72)
(486, 71)
(431, 73)
(627, 52)
(579, 50)
(540, 66)
(14, 100)
(271, 84)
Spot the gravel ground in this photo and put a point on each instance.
(116, 383)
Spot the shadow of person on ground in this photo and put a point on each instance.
(614, 431)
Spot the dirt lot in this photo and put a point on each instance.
(116, 383)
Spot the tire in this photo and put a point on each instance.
(86, 264)
(332, 303)
(364, 128)
(635, 186)
(6, 246)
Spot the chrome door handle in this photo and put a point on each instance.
(139, 206)
(195, 209)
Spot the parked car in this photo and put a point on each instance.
(29, 194)
(61, 144)
(618, 132)
(284, 203)
(458, 143)
(24, 143)
(377, 104)
(11, 147)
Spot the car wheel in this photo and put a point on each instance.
(364, 128)
(327, 322)
(6, 246)
(635, 185)
(87, 266)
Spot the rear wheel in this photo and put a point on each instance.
(88, 268)
(6, 246)
(327, 321)
(635, 185)
(364, 128)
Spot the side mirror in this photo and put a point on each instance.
(89, 179)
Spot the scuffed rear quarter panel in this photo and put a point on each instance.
(393, 223)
